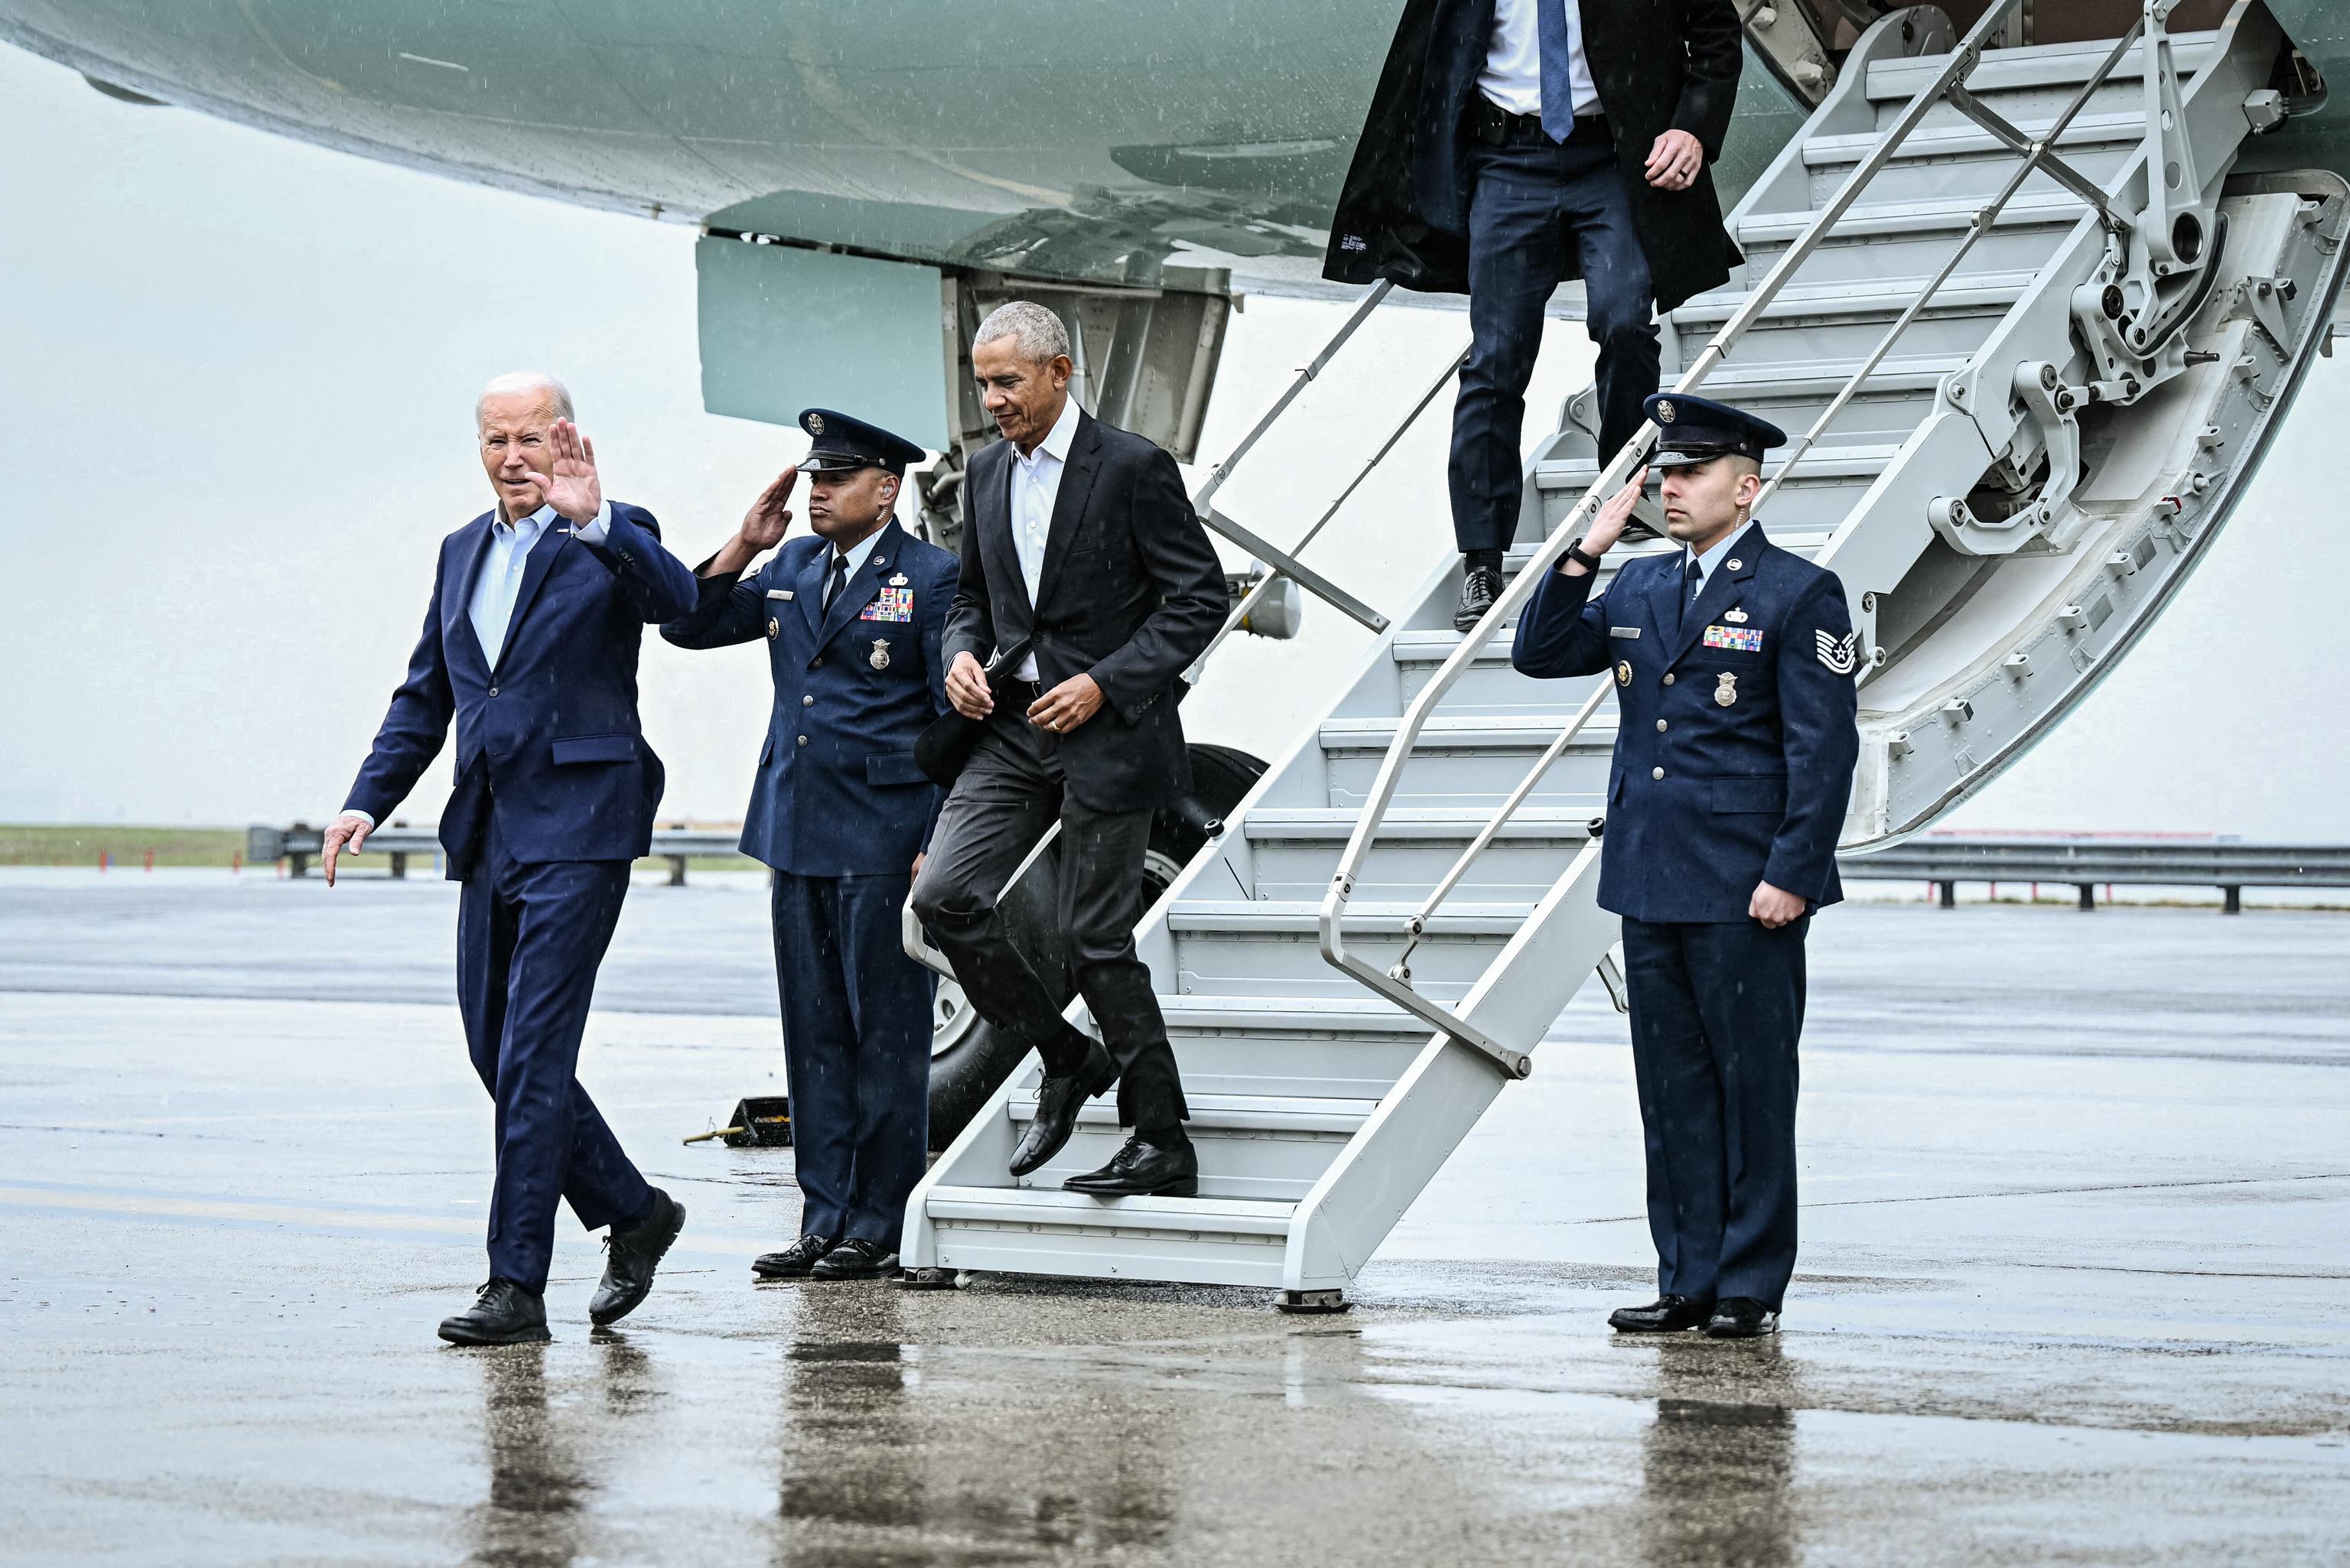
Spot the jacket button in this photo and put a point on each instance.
(494, 691)
(1660, 726)
(808, 701)
(816, 664)
(1656, 773)
(1668, 681)
(803, 740)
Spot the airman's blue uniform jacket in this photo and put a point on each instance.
(839, 794)
(1737, 732)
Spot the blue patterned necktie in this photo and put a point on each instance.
(1557, 90)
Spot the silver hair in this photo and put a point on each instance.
(524, 381)
(1038, 332)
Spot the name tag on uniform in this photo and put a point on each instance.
(779, 593)
(1623, 631)
(889, 604)
(1743, 638)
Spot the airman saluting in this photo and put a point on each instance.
(852, 617)
(1734, 662)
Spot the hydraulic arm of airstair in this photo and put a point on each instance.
(2034, 338)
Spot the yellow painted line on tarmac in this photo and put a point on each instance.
(299, 1214)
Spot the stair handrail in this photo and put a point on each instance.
(2036, 154)
(1331, 933)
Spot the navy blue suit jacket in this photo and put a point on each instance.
(1708, 797)
(546, 726)
(839, 794)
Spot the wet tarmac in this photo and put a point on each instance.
(2077, 1240)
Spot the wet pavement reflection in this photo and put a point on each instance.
(1718, 1472)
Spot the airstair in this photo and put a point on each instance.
(2034, 337)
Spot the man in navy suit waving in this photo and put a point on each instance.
(852, 617)
(530, 649)
(1735, 740)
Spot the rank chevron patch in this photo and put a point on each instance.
(1839, 654)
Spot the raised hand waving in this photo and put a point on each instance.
(573, 489)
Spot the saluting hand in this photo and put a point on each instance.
(572, 488)
(1608, 526)
(763, 525)
(1674, 162)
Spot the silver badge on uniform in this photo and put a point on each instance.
(1726, 691)
(1735, 563)
(881, 657)
(1666, 413)
(899, 581)
(1734, 615)
(1624, 673)
(774, 627)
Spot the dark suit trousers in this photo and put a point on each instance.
(856, 1051)
(529, 939)
(1008, 795)
(1530, 202)
(1716, 1011)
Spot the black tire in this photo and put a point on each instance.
(970, 1057)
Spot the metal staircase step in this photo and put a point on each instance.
(1285, 917)
(2033, 66)
(1039, 1231)
(1866, 222)
(1332, 1048)
(1213, 1112)
(1983, 292)
(1970, 140)
(1296, 850)
(1443, 825)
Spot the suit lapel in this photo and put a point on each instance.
(808, 592)
(1721, 588)
(457, 609)
(862, 584)
(534, 573)
(1069, 503)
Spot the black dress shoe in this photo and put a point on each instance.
(1665, 1315)
(1742, 1317)
(630, 1257)
(857, 1259)
(1143, 1168)
(1479, 589)
(1057, 1100)
(795, 1262)
(502, 1313)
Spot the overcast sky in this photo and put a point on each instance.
(235, 384)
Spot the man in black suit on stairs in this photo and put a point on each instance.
(1088, 586)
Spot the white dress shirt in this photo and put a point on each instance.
(1709, 561)
(858, 555)
(1513, 75)
(498, 583)
(1035, 486)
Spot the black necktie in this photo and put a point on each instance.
(1696, 579)
(834, 578)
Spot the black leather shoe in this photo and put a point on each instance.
(502, 1313)
(1139, 1169)
(857, 1259)
(1479, 589)
(1057, 1100)
(1742, 1317)
(629, 1257)
(1665, 1315)
(795, 1262)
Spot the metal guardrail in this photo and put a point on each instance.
(301, 844)
(2086, 862)
(2039, 154)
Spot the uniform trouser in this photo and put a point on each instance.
(529, 939)
(857, 1052)
(1716, 1011)
(1008, 795)
(1528, 203)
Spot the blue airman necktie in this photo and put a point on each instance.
(1557, 89)
(834, 578)
(1695, 578)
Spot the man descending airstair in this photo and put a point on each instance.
(2032, 333)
